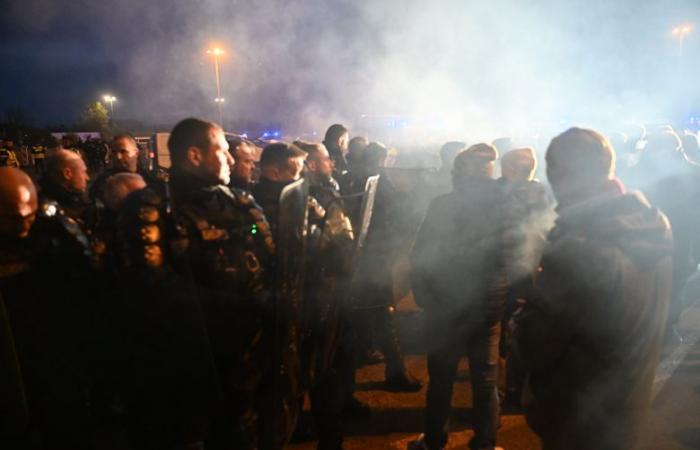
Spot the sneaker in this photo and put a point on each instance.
(355, 409)
(402, 383)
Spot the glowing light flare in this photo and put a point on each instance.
(219, 100)
(216, 51)
(682, 30)
(110, 99)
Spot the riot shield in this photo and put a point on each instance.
(365, 216)
(361, 225)
(291, 259)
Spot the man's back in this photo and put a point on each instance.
(592, 338)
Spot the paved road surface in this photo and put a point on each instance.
(674, 422)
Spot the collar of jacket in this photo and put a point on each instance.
(63, 196)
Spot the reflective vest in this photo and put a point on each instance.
(38, 152)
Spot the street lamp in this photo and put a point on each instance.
(216, 51)
(681, 31)
(110, 99)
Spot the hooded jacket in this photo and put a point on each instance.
(591, 338)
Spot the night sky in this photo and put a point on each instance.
(312, 62)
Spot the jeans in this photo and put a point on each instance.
(481, 345)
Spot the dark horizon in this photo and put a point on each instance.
(474, 69)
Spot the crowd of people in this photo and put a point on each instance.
(197, 306)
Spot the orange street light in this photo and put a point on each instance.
(681, 31)
(216, 51)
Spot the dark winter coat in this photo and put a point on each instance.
(458, 263)
(592, 337)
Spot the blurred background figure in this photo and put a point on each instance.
(336, 142)
(243, 171)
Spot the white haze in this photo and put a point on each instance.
(450, 69)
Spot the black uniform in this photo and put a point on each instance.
(326, 348)
(73, 204)
(198, 266)
(267, 194)
(45, 293)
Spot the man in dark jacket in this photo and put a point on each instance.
(197, 266)
(65, 183)
(336, 141)
(592, 335)
(45, 268)
(458, 278)
(280, 165)
(124, 156)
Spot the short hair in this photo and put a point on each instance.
(334, 133)
(582, 154)
(312, 149)
(59, 161)
(189, 133)
(279, 154)
(357, 144)
(374, 153)
(126, 136)
(237, 142)
(119, 186)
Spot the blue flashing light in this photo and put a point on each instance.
(276, 134)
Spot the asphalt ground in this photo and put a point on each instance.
(397, 418)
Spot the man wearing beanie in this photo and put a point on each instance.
(458, 278)
(591, 335)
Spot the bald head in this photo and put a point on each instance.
(119, 186)
(68, 170)
(18, 203)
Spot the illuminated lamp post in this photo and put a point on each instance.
(110, 99)
(681, 32)
(217, 52)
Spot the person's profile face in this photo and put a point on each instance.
(292, 170)
(343, 142)
(244, 166)
(323, 163)
(216, 161)
(79, 176)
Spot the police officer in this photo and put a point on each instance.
(198, 264)
(325, 346)
(124, 155)
(336, 142)
(243, 171)
(280, 165)
(8, 157)
(38, 156)
(43, 273)
(65, 182)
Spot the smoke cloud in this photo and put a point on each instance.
(447, 69)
